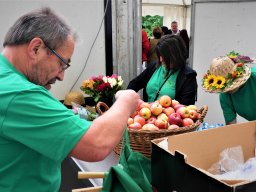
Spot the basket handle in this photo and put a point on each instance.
(101, 107)
(203, 112)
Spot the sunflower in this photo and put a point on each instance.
(219, 82)
(209, 81)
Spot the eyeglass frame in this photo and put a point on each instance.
(66, 64)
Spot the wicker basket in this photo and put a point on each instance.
(140, 140)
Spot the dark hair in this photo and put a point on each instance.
(164, 30)
(43, 23)
(173, 50)
(157, 32)
(184, 36)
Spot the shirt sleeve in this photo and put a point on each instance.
(227, 107)
(43, 124)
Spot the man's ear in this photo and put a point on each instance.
(34, 47)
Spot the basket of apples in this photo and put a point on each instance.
(161, 118)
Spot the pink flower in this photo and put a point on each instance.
(114, 76)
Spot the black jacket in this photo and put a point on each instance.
(186, 84)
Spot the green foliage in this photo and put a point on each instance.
(149, 22)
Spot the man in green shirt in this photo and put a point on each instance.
(37, 131)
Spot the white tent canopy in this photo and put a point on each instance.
(171, 10)
(168, 2)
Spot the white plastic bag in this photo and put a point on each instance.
(231, 159)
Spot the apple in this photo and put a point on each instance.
(161, 123)
(130, 121)
(187, 122)
(162, 116)
(168, 110)
(139, 119)
(176, 107)
(173, 126)
(151, 120)
(183, 111)
(149, 127)
(157, 101)
(165, 101)
(192, 107)
(139, 103)
(156, 108)
(145, 113)
(174, 102)
(134, 114)
(175, 118)
(135, 125)
(144, 104)
(193, 114)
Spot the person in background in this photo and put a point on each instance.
(174, 28)
(185, 37)
(36, 130)
(235, 82)
(145, 48)
(170, 75)
(157, 34)
(165, 30)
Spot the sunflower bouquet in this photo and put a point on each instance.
(214, 81)
(102, 87)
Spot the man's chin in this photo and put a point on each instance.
(48, 86)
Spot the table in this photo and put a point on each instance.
(101, 166)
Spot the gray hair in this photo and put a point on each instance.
(43, 23)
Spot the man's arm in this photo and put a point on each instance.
(106, 130)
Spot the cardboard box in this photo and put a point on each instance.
(182, 167)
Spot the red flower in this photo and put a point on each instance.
(239, 64)
(102, 87)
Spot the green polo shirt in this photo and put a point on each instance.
(157, 79)
(36, 133)
(242, 102)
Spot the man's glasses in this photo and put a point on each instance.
(65, 64)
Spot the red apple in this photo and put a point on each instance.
(135, 125)
(139, 119)
(130, 121)
(151, 120)
(193, 114)
(174, 102)
(162, 116)
(156, 108)
(187, 122)
(150, 127)
(134, 114)
(173, 126)
(168, 110)
(183, 111)
(161, 124)
(174, 118)
(145, 113)
(176, 107)
(139, 103)
(165, 101)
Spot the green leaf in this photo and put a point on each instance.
(149, 22)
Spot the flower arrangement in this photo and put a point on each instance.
(102, 86)
(213, 82)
